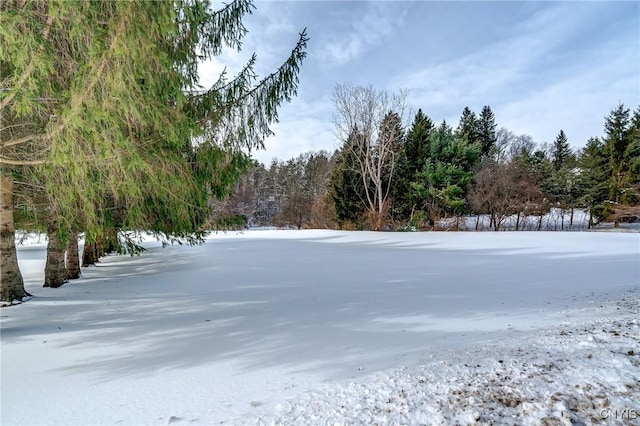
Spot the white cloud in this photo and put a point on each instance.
(295, 138)
(304, 126)
(370, 24)
(577, 104)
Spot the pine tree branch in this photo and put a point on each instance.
(27, 73)
(255, 108)
(77, 102)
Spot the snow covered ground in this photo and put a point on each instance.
(328, 327)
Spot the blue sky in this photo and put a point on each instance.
(541, 66)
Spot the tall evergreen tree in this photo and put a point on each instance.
(412, 160)
(469, 126)
(561, 185)
(487, 131)
(617, 139)
(562, 153)
(592, 181)
(416, 147)
(346, 185)
(631, 159)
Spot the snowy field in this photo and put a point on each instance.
(329, 327)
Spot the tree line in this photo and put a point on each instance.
(105, 129)
(388, 176)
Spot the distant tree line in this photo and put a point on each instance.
(388, 177)
(286, 194)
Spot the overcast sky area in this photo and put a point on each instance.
(541, 66)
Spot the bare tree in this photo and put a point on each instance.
(376, 118)
(504, 140)
(296, 211)
(520, 145)
(502, 190)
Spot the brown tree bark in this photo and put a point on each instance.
(99, 249)
(89, 254)
(55, 273)
(73, 257)
(11, 282)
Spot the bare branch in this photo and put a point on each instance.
(12, 162)
(24, 139)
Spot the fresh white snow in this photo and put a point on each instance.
(329, 327)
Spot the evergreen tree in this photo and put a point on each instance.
(592, 179)
(317, 172)
(617, 132)
(561, 185)
(631, 160)
(416, 147)
(448, 170)
(412, 159)
(469, 126)
(562, 154)
(487, 131)
(346, 184)
(617, 140)
(102, 100)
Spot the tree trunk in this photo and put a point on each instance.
(540, 222)
(11, 282)
(518, 220)
(89, 254)
(100, 250)
(55, 273)
(571, 219)
(111, 244)
(73, 257)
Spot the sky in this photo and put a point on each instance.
(540, 66)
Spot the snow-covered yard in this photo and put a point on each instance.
(328, 327)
